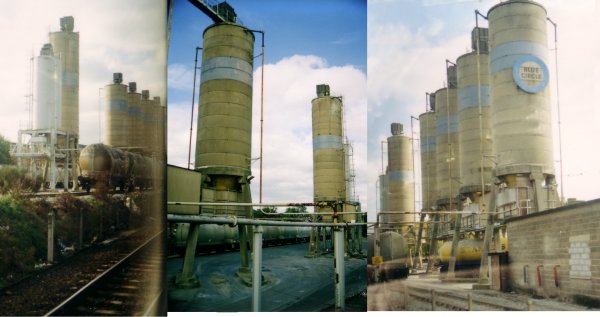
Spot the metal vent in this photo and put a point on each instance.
(397, 128)
(452, 79)
(483, 40)
(67, 24)
(132, 87)
(322, 90)
(117, 78)
(432, 101)
(46, 50)
(145, 94)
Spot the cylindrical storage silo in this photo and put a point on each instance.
(147, 118)
(66, 45)
(474, 136)
(401, 193)
(521, 118)
(159, 127)
(223, 142)
(136, 128)
(427, 127)
(116, 115)
(447, 147)
(48, 90)
(328, 153)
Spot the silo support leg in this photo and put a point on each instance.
(257, 269)
(340, 277)
(186, 277)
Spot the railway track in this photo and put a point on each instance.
(132, 286)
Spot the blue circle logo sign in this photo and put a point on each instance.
(531, 74)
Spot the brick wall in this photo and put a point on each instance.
(565, 240)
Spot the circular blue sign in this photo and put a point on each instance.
(531, 74)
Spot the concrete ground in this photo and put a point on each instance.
(292, 282)
(388, 296)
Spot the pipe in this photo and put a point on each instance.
(556, 275)
(257, 269)
(193, 101)
(262, 86)
(412, 138)
(234, 221)
(340, 275)
(558, 108)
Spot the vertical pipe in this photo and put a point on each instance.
(193, 101)
(186, 276)
(340, 277)
(433, 299)
(469, 301)
(257, 269)
(558, 108)
(262, 85)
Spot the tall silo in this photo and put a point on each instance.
(147, 118)
(224, 134)
(136, 128)
(427, 128)
(447, 166)
(521, 111)
(401, 193)
(328, 153)
(159, 128)
(474, 120)
(116, 123)
(66, 45)
(48, 90)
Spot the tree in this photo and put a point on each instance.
(5, 151)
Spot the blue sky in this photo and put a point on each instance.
(306, 43)
(409, 41)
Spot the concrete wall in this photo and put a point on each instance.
(566, 238)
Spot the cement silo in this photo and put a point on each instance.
(427, 127)
(521, 111)
(223, 141)
(328, 153)
(401, 193)
(147, 120)
(48, 90)
(116, 116)
(66, 45)
(136, 127)
(474, 120)
(447, 160)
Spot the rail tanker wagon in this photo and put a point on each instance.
(394, 252)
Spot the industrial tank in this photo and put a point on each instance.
(104, 164)
(474, 136)
(147, 118)
(521, 111)
(223, 143)
(401, 193)
(48, 90)
(427, 127)
(66, 45)
(447, 147)
(116, 123)
(394, 253)
(328, 154)
(136, 127)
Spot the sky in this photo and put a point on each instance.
(306, 43)
(115, 36)
(409, 42)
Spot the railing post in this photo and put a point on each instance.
(529, 304)
(469, 301)
(340, 283)
(433, 299)
(257, 269)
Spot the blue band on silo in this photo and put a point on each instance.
(119, 105)
(327, 142)
(226, 68)
(467, 97)
(505, 55)
(428, 144)
(442, 124)
(400, 176)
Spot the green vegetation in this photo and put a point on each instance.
(15, 181)
(5, 151)
(290, 213)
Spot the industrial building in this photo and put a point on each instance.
(488, 186)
